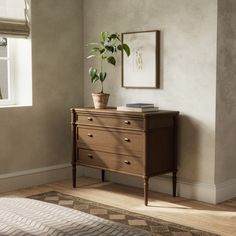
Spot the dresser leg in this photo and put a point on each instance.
(74, 175)
(174, 181)
(146, 190)
(103, 175)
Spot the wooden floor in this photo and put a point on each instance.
(219, 219)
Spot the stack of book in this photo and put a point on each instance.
(138, 107)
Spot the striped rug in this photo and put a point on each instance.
(149, 225)
(23, 217)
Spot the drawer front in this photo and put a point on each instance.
(115, 162)
(111, 141)
(114, 122)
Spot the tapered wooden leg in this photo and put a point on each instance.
(74, 175)
(174, 180)
(146, 190)
(103, 175)
(175, 154)
(74, 146)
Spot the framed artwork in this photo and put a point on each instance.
(142, 68)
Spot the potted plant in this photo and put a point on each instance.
(110, 44)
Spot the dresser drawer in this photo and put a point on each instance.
(114, 122)
(111, 161)
(126, 143)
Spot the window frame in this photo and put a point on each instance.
(10, 73)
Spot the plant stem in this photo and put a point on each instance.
(102, 87)
(101, 64)
(102, 72)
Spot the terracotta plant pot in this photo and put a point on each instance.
(100, 100)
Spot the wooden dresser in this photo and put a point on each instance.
(134, 143)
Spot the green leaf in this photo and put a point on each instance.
(90, 56)
(102, 50)
(95, 78)
(110, 48)
(102, 76)
(104, 35)
(92, 44)
(119, 47)
(111, 60)
(118, 37)
(95, 49)
(126, 49)
(114, 36)
(92, 72)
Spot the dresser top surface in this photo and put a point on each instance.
(112, 110)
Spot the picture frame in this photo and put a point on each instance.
(142, 68)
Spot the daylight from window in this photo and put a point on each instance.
(15, 72)
(4, 69)
(15, 54)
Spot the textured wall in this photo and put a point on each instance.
(188, 68)
(226, 95)
(39, 136)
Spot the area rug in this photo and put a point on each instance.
(153, 226)
(29, 217)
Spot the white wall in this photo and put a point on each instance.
(225, 174)
(188, 70)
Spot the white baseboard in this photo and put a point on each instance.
(185, 188)
(226, 190)
(193, 190)
(28, 178)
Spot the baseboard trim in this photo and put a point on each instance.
(33, 177)
(226, 190)
(204, 192)
(185, 188)
(209, 193)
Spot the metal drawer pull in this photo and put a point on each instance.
(90, 118)
(90, 156)
(127, 162)
(127, 139)
(90, 135)
(127, 122)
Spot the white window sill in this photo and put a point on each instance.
(14, 106)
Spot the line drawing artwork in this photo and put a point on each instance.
(141, 69)
(137, 59)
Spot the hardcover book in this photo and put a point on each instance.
(140, 105)
(137, 109)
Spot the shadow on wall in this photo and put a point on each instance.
(188, 148)
(162, 60)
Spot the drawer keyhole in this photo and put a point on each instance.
(90, 118)
(127, 139)
(127, 122)
(90, 135)
(127, 162)
(90, 156)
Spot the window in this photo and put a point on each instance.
(15, 53)
(15, 72)
(5, 92)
